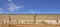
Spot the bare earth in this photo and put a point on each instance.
(29, 25)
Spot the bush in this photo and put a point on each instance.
(42, 22)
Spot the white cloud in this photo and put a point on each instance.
(1, 12)
(31, 11)
(9, 0)
(1, 9)
(13, 7)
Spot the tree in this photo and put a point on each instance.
(35, 19)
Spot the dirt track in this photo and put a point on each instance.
(29, 25)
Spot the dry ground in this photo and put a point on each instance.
(29, 25)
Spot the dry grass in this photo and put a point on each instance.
(30, 17)
(29, 25)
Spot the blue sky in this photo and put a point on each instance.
(29, 6)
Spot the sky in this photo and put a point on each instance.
(29, 6)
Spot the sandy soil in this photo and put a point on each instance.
(29, 25)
